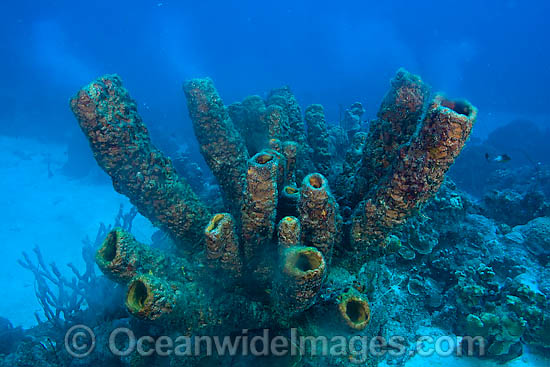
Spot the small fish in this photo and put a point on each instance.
(502, 158)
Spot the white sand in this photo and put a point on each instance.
(452, 359)
(527, 359)
(56, 213)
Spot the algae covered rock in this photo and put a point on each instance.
(514, 208)
(536, 235)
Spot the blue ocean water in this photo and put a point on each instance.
(484, 248)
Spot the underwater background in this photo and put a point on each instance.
(423, 214)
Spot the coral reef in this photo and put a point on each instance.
(505, 315)
(512, 208)
(535, 236)
(280, 225)
(488, 282)
(296, 248)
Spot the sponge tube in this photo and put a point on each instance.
(221, 144)
(222, 244)
(120, 257)
(318, 214)
(354, 309)
(289, 232)
(420, 173)
(302, 275)
(122, 147)
(260, 203)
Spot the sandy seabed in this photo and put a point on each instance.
(55, 213)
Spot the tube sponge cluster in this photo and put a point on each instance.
(269, 190)
(271, 249)
(172, 291)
